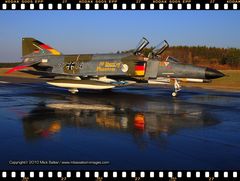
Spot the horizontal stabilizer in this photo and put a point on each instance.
(21, 66)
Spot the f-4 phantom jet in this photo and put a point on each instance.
(107, 71)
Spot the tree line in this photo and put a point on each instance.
(207, 56)
(221, 58)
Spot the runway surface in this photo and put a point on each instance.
(43, 127)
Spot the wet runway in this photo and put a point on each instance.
(43, 127)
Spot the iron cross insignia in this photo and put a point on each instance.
(70, 66)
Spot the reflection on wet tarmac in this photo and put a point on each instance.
(132, 128)
(121, 112)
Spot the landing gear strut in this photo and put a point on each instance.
(177, 88)
(73, 91)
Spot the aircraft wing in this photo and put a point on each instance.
(67, 81)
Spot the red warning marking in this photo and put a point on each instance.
(44, 46)
(15, 69)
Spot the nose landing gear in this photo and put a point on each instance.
(177, 87)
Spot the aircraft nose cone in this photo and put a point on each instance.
(213, 74)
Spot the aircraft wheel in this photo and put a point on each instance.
(73, 91)
(174, 94)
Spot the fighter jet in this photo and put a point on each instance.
(107, 71)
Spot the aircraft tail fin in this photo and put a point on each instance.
(31, 46)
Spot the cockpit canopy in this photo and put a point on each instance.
(160, 48)
(141, 45)
(157, 50)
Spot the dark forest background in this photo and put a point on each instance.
(220, 58)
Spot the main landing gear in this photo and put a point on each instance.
(177, 88)
(73, 91)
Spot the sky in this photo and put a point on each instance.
(73, 32)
